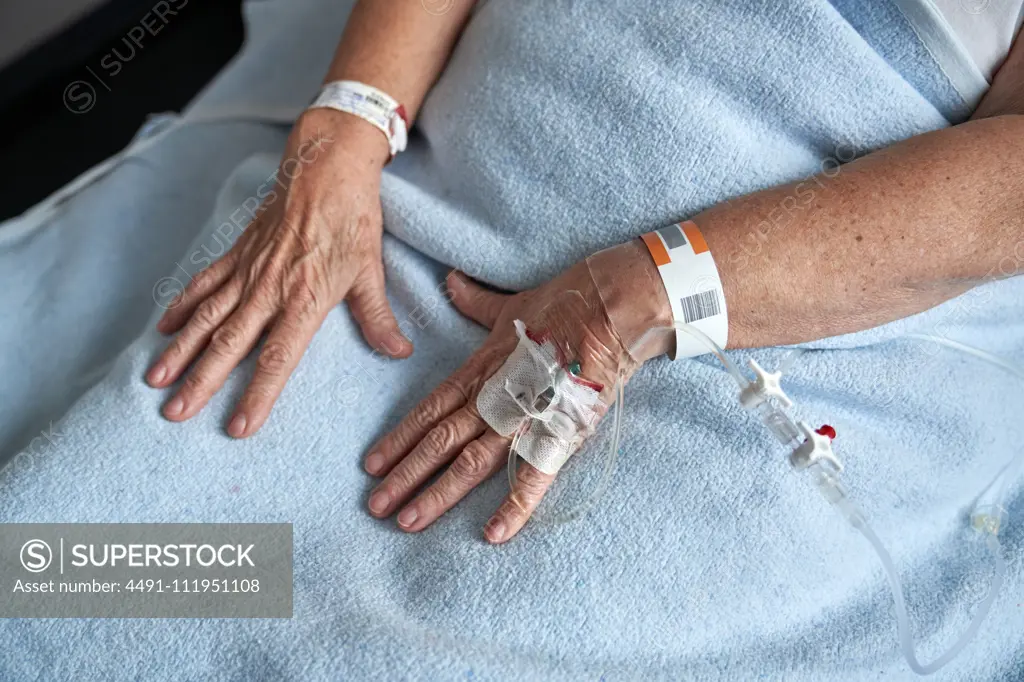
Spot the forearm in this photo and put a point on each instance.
(887, 236)
(398, 47)
(881, 238)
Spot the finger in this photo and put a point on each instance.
(206, 282)
(478, 460)
(369, 305)
(445, 399)
(474, 301)
(278, 358)
(438, 447)
(191, 340)
(515, 511)
(229, 344)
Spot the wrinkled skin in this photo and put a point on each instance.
(446, 430)
(314, 243)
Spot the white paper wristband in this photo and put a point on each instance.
(693, 285)
(370, 104)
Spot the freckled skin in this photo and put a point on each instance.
(799, 262)
(812, 277)
(316, 240)
(444, 433)
(305, 252)
(826, 264)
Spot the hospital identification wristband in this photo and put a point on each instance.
(370, 104)
(692, 283)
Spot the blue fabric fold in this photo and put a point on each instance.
(559, 127)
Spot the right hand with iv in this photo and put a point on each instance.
(539, 383)
(314, 242)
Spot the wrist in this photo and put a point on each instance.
(347, 136)
(634, 297)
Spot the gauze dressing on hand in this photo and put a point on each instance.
(537, 397)
(568, 368)
(564, 372)
(606, 331)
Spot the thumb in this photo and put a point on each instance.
(474, 301)
(369, 305)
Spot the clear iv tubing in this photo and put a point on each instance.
(1015, 468)
(617, 411)
(828, 484)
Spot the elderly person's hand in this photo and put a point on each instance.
(314, 243)
(446, 429)
(318, 242)
(790, 289)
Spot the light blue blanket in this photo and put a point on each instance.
(559, 127)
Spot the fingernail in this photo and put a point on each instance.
(237, 426)
(495, 530)
(157, 373)
(408, 517)
(175, 407)
(379, 502)
(374, 463)
(399, 341)
(455, 277)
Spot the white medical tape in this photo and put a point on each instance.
(692, 283)
(533, 396)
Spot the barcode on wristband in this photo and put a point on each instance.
(700, 306)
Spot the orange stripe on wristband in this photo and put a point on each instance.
(692, 233)
(657, 248)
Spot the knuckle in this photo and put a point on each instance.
(274, 358)
(259, 393)
(441, 438)
(255, 272)
(473, 464)
(195, 382)
(304, 301)
(437, 497)
(201, 280)
(226, 341)
(375, 308)
(527, 494)
(264, 292)
(179, 347)
(472, 411)
(532, 486)
(204, 279)
(400, 481)
(453, 387)
(430, 412)
(473, 387)
(207, 314)
(263, 275)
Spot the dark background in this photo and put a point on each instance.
(44, 144)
